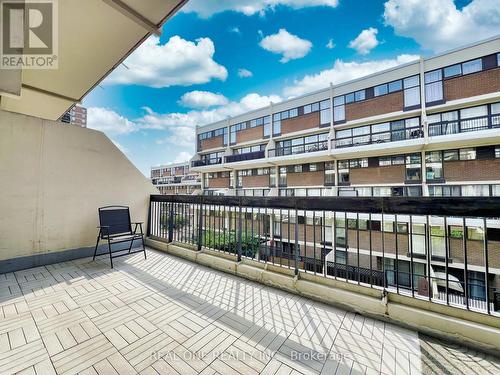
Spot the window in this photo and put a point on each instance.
(433, 86)
(497, 152)
(359, 95)
(325, 112)
(467, 154)
(381, 90)
(475, 191)
(282, 176)
(395, 86)
(472, 66)
(267, 126)
(330, 173)
(272, 177)
(452, 71)
(413, 167)
(438, 239)
(338, 109)
(450, 155)
(433, 165)
(411, 91)
(277, 124)
(418, 239)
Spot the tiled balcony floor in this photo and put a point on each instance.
(168, 316)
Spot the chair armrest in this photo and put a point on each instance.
(137, 222)
(102, 226)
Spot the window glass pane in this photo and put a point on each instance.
(325, 116)
(339, 113)
(472, 66)
(433, 76)
(315, 107)
(339, 100)
(307, 109)
(294, 112)
(410, 82)
(467, 154)
(380, 90)
(453, 70)
(324, 104)
(449, 155)
(395, 86)
(475, 191)
(495, 108)
(434, 92)
(349, 98)
(361, 130)
(449, 116)
(381, 127)
(474, 112)
(412, 97)
(359, 95)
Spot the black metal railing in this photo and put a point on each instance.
(388, 243)
(245, 156)
(298, 149)
(379, 137)
(206, 161)
(464, 125)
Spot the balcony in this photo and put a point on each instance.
(299, 149)
(379, 137)
(205, 162)
(464, 125)
(246, 156)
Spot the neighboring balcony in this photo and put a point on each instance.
(205, 162)
(298, 149)
(245, 157)
(378, 137)
(464, 125)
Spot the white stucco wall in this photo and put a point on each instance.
(53, 177)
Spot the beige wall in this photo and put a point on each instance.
(53, 177)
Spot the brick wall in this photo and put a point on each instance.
(472, 84)
(250, 134)
(377, 175)
(376, 106)
(472, 170)
(309, 121)
(221, 182)
(306, 179)
(212, 143)
(255, 181)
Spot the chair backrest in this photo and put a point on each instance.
(117, 218)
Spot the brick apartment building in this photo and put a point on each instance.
(77, 115)
(176, 179)
(427, 128)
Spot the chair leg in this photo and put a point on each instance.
(96, 245)
(110, 256)
(130, 247)
(143, 247)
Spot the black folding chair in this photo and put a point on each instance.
(115, 227)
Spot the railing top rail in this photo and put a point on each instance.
(440, 206)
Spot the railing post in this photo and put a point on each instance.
(148, 229)
(171, 222)
(240, 247)
(200, 224)
(297, 250)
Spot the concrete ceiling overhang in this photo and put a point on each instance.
(94, 36)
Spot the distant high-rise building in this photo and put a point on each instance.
(77, 115)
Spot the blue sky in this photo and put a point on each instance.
(218, 58)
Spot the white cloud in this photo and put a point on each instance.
(365, 41)
(330, 44)
(288, 45)
(438, 24)
(235, 30)
(207, 8)
(182, 157)
(179, 62)
(202, 99)
(175, 121)
(244, 73)
(341, 72)
(109, 122)
(183, 136)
